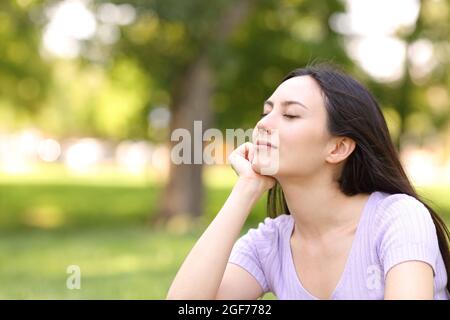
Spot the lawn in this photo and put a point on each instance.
(116, 263)
(51, 221)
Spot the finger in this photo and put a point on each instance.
(251, 153)
(243, 149)
(231, 159)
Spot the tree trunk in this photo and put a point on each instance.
(191, 101)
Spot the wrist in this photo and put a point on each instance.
(249, 187)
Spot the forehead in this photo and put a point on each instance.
(303, 89)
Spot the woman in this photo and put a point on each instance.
(345, 222)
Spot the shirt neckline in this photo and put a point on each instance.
(355, 241)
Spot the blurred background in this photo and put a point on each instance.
(91, 90)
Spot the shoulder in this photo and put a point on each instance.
(405, 231)
(258, 250)
(403, 223)
(401, 208)
(270, 228)
(273, 225)
(267, 236)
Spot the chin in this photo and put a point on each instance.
(265, 169)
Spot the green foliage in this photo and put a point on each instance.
(276, 38)
(113, 96)
(24, 75)
(91, 100)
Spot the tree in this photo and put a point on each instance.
(221, 59)
(24, 75)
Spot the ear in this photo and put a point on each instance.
(340, 149)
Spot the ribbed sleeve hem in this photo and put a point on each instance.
(409, 252)
(243, 261)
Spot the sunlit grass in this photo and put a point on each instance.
(58, 173)
(52, 220)
(214, 176)
(55, 198)
(115, 263)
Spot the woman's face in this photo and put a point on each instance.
(295, 123)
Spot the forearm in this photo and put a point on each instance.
(202, 271)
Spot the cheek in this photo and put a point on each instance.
(303, 145)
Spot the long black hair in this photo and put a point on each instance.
(374, 164)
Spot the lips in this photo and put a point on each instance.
(265, 143)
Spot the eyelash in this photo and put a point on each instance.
(286, 115)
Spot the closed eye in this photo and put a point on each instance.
(285, 115)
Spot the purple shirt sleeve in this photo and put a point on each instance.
(248, 249)
(406, 233)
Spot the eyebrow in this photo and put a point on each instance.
(286, 103)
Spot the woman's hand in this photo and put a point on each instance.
(241, 160)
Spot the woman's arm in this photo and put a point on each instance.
(409, 280)
(202, 271)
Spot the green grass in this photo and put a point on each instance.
(53, 198)
(51, 220)
(115, 263)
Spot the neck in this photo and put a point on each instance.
(319, 208)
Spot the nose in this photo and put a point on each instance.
(263, 126)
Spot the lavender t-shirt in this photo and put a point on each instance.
(392, 228)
